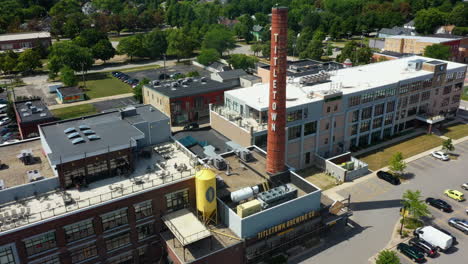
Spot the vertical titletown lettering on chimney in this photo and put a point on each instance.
(277, 100)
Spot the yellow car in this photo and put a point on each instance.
(454, 194)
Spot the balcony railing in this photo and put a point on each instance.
(247, 123)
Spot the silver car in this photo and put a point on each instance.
(459, 224)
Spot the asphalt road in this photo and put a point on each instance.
(376, 205)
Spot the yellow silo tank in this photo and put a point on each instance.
(205, 185)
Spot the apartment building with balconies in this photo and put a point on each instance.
(334, 112)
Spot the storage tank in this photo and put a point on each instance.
(249, 208)
(244, 193)
(205, 186)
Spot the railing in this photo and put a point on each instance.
(11, 223)
(238, 120)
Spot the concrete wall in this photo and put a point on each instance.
(28, 190)
(357, 172)
(159, 101)
(155, 132)
(377, 43)
(230, 130)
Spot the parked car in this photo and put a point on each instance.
(4, 130)
(459, 224)
(454, 194)
(388, 177)
(411, 252)
(176, 75)
(434, 237)
(5, 121)
(454, 239)
(465, 186)
(439, 155)
(123, 77)
(426, 248)
(7, 136)
(191, 126)
(3, 101)
(439, 204)
(116, 73)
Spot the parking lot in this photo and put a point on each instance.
(376, 203)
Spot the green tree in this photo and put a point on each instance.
(220, 39)
(387, 257)
(241, 61)
(28, 61)
(89, 37)
(414, 204)
(256, 48)
(132, 46)
(438, 51)
(459, 15)
(427, 20)
(180, 44)
(208, 56)
(396, 164)
(155, 43)
(65, 7)
(74, 24)
(103, 50)
(266, 49)
(244, 27)
(357, 55)
(9, 62)
(68, 53)
(138, 90)
(68, 77)
(313, 51)
(112, 6)
(447, 145)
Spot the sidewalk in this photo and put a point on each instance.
(95, 100)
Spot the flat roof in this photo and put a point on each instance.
(185, 226)
(47, 205)
(115, 132)
(351, 80)
(193, 88)
(426, 39)
(15, 171)
(204, 136)
(70, 90)
(34, 110)
(25, 35)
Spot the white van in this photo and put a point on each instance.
(435, 237)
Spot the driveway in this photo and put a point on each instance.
(376, 206)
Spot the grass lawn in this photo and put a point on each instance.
(379, 158)
(318, 178)
(465, 93)
(74, 111)
(142, 68)
(456, 131)
(104, 84)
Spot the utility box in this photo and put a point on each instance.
(249, 208)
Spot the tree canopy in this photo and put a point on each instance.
(67, 53)
(438, 51)
(241, 61)
(208, 56)
(220, 39)
(387, 257)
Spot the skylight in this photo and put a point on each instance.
(78, 140)
(69, 130)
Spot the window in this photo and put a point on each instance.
(143, 210)
(366, 113)
(427, 83)
(447, 89)
(457, 87)
(425, 96)
(335, 108)
(79, 230)
(294, 132)
(404, 88)
(355, 117)
(142, 251)
(364, 126)
(388, 119)
(310, 128)
(294, 115)
(445, 102)
(354, 100)
(117, 241)
(455, 98)
(40, 243)
(414, 98)
(325, 141)
(328, 109)
(145, 230)
(380, 94)
(437, 91)
(6, 255)
(327, 126)
(84, 253)
(367, 97)
(354, 129)
(114, 219)
(47, 260)
(377, 122)
(126, 258)
(390, 106)
(177, 200)
(379, 109)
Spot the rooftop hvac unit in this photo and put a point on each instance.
(415, 65)
(244, 193)
(277, 195)
(241, 152)
(219, 163)
(216, 160)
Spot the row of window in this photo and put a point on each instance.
(296, 131)
(371, 96)
(365, 126)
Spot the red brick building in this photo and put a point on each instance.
(21, 41)
(30, 114)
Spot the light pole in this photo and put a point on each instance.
(295, 43)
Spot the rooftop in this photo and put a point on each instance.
(396, 31)
(189, 87)
(232, 74)
(70, 90)
(15, 171)
(347, 80)
(34, 110)
(185, 226)
(63, 148)
(195, 140)
(426, 39)
(25, 35)
(304, 67)
(149, 174)
(393, 54)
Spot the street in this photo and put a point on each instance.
(376, 205)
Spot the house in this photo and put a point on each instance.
(249, 80)
(229, 77)
(395, 31)
(257, 31)
(70, 94)
(410, 25)
(445, 29)
(20, 41)
(218, 67)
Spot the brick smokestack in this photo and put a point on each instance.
(277, 101)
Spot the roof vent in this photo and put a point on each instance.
(26, 114)
(73, 135)
(43, 114)
(69, 130)
(93, 137)
(78, 140)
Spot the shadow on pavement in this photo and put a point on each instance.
(331, 238)
(372, 205)
(407, 176)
